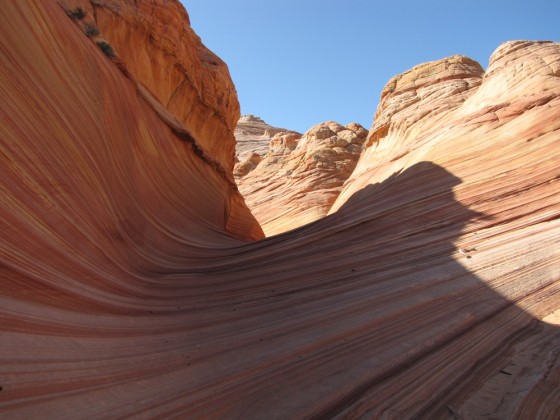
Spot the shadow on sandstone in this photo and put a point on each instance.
(421, 332)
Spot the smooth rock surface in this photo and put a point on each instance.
(128, 287)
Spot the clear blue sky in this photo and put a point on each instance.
(296, 63)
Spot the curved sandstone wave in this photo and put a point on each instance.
(164, 54)
(130, 287)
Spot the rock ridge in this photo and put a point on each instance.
(299, 178)
(414, 125)
(162, 52)
(253, 136)
(446, 81)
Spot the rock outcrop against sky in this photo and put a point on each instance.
(131, 280)
(161, 51)
(253, 136)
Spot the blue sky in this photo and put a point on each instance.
(297, 63)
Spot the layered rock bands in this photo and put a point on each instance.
(131, 283)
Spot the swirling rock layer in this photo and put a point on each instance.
(128, 288)
(155, 41)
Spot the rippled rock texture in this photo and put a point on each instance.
(252, 136)
(299, 178)
(129, 286)
(451, 112)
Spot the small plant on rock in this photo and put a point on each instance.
(77, 14)
(106, 48)
(91, 30)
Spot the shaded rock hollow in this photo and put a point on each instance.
(129, 286)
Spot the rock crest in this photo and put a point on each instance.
(253, 135)
(299, 178)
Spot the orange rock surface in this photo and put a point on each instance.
(129, 286)
(299, 178)
(164, 54)
(451, 112)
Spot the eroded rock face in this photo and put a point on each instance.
(157, 45)
(88, 158)
(427, 91)
(449, 111)
(128, 289)
(253, 136)
(299, 178)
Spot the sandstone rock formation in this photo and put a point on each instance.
(243, 168)
(253, 136)
(128, 287)
(158, 47)
(451, 107)
(298, 180)
(498, 133)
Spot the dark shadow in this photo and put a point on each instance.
(415, 207)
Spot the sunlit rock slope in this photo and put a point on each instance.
(129, 286)
(253, 135)
(299, 178)
(168, 59)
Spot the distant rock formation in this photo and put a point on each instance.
(299, 178)
(253, 136)
(451, 107)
